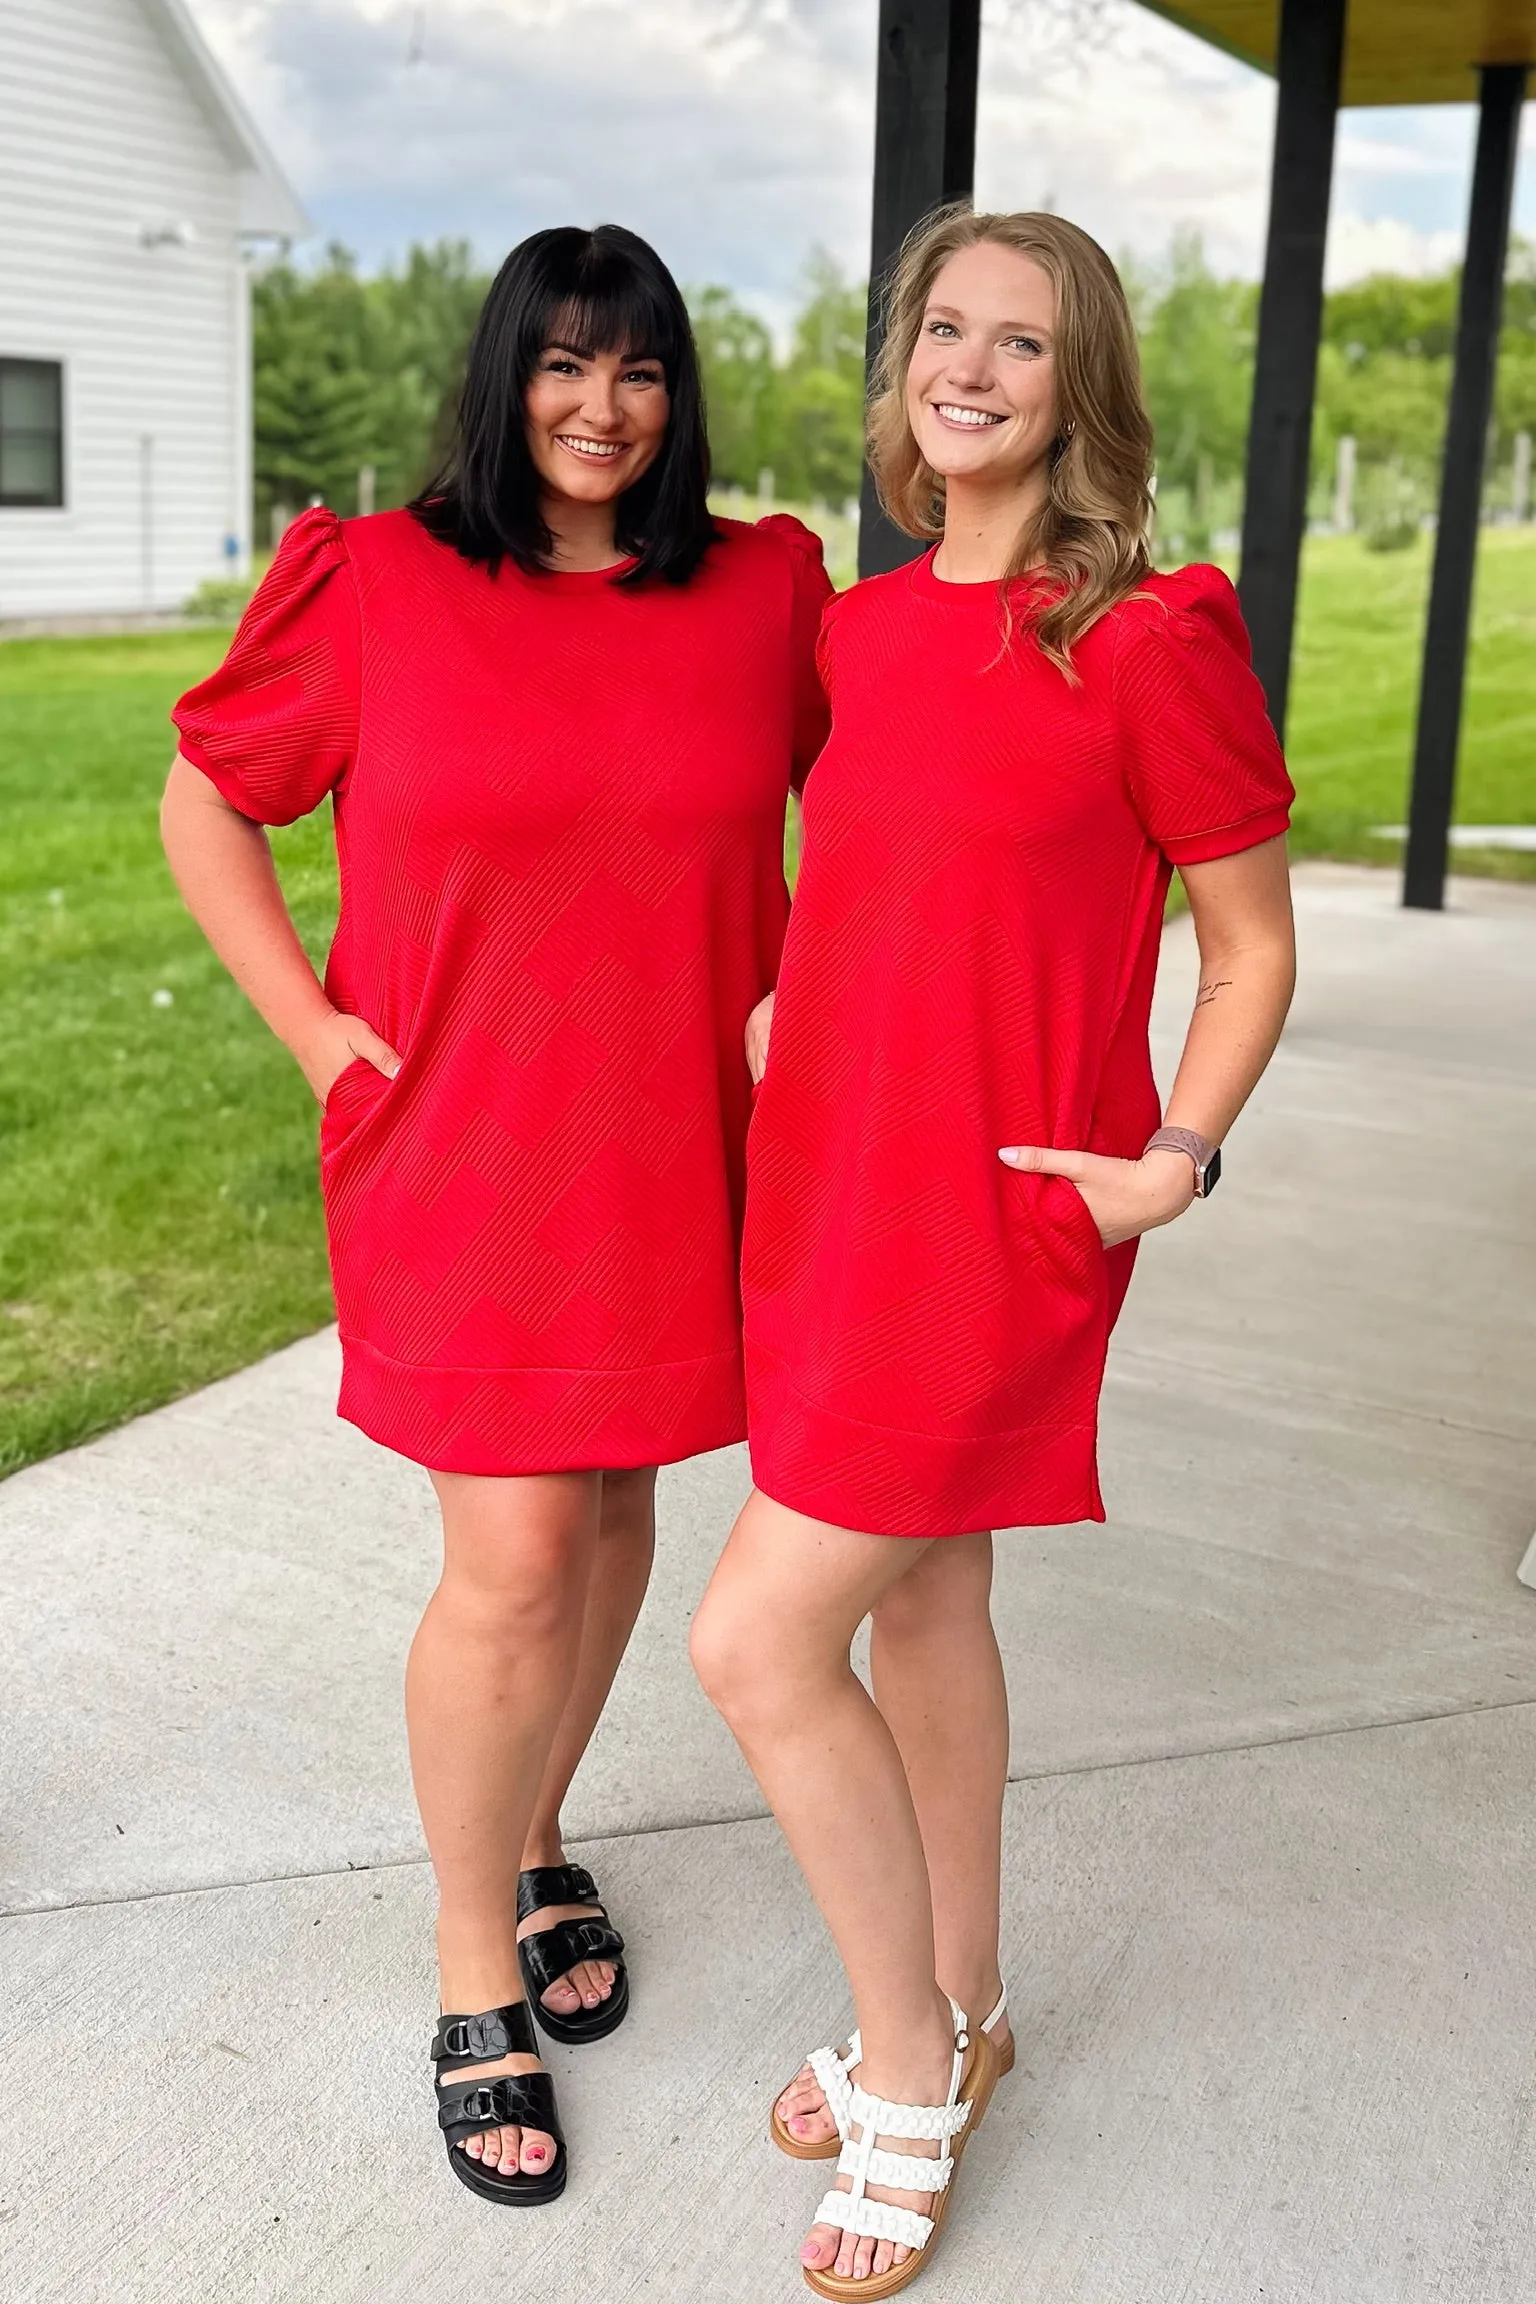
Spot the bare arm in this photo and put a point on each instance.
(1241, 907)
(223, 866)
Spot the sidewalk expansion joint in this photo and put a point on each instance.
(763, 1816)
(1268, 1384)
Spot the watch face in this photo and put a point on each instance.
(1210, 1174)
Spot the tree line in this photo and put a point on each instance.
(355, 371)
(1383, 381)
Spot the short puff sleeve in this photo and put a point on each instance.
(275, 727)
(1206, 773)
(812, 591)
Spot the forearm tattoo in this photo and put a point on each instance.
(1209, 989)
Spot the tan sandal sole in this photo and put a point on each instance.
(980, 2081)
(829, 2146)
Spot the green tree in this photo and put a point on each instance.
(315, 385)
(1515, 397)
(1392, 401)
(829, 330)
(351, 372)
(821, 435)
(819, 446)
(1391, 313)
(1384, 375)
(424, 315)
(1197, 334)
(800, 417)
(736, 357)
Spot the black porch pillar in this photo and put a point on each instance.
(925, 154)
(1309, 66)
(1448, 624)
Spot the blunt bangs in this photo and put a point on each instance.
(596, 291)
(615, 313)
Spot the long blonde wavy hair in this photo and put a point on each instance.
(1086, 548)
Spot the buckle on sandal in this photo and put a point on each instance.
(477, 2036)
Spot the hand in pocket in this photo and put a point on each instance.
(1124, 1197)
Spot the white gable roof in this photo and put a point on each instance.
(268, 205)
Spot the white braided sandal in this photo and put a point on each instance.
(865, 2161)
(833, 2068)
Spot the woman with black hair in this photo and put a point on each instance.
(557, 708)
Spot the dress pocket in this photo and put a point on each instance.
(1063, 1227)
(355, 1093)
(1073, 1213)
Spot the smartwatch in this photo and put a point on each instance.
(1205, 1155)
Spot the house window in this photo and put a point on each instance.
(31, 432)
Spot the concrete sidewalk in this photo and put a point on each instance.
(1271, 1866)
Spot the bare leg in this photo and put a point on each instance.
(621, 1570)
(489, 1676)
(939, 1684)
(771, 1643)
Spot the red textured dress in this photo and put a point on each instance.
(559, 809)
(970, 964)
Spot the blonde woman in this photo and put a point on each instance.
(958, 1143)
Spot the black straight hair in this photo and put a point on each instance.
(604, 290)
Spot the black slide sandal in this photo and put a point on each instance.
(511, 2100)
(551, 1953)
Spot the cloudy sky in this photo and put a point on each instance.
(737, 133)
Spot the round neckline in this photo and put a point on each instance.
(925, 580)
(579, 579)
(922, 579)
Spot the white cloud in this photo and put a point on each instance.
(736, 133)
(1361, 245)
(734, 137)
(1367, 147)
(1150, 134)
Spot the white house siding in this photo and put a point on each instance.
(102, 137)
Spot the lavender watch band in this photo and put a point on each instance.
(1205, 1155)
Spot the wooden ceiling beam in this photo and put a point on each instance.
(1395, 51)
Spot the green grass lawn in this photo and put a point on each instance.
(1355, 695)
(161, 1222)
(160, 1219)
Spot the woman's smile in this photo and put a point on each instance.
(962, 418)
(583, 444)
